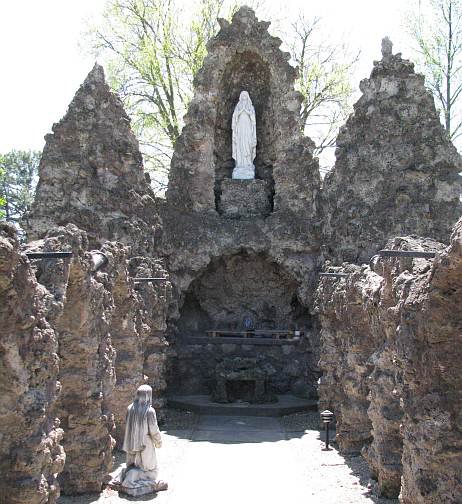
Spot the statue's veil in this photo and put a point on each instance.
(136, 423)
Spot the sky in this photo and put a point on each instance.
(43, 63)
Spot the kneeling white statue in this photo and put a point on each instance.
(142, 437)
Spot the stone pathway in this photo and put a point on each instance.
(250, 459)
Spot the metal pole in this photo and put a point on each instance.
(327, 435)
(149, 279)
(48, 255)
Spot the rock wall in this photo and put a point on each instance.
(91, 175)
(138, 325)
(396, 172)
(152, 311)
(346, 346)
(87, 373)
(429, 346)
(126, 338)
(107, 331)
(31, 455)
(397, 317)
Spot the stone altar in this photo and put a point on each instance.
(249, 374)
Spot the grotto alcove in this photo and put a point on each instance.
(232, 289)
(237, 286)
(246, 71)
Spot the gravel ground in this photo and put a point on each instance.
(307, 429)
(301, 421)
(229, 459)
(179, 420)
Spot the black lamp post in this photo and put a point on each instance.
(327, 417)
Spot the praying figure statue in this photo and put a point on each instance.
(244, 138)
(142, 437)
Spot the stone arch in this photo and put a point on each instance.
(243, 283)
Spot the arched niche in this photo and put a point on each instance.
(233, 287)
(246, 71)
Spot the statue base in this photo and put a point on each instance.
(138, 491)
(135, 482)
(243, 199)
(244, 172)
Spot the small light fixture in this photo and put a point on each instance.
(327, 417)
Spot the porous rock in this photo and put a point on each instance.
(389, 301)
(275, 231)
(346, 345)
(87, 373)
(138, 333)
(396, 171)
(429, 347)
(154, 299)
(31, 454)
(91, 173)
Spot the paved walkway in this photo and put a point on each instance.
(249, 460)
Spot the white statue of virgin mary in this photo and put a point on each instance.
(244, 138)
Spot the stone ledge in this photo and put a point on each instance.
(205, 340)
(198, 403)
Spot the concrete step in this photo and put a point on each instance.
(286, 405)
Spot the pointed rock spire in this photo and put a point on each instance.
(91, 171)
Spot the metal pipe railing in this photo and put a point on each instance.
(48, 255)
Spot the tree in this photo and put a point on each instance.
(18, 177)
(152, 59)
(2, 203)
(324, 80)
(437, 31)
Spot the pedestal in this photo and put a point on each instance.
(243, 199)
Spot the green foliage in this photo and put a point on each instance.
(152, 56)
(18, 177)
(436, 27)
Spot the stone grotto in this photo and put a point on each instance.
(215, 290)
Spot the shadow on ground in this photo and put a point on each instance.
(224, 429)
(232, 430)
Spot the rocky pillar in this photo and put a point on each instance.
(125, 337)
(87, 373)
(346, 346)
(31, 455)
(153, 300)
(429, 346)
